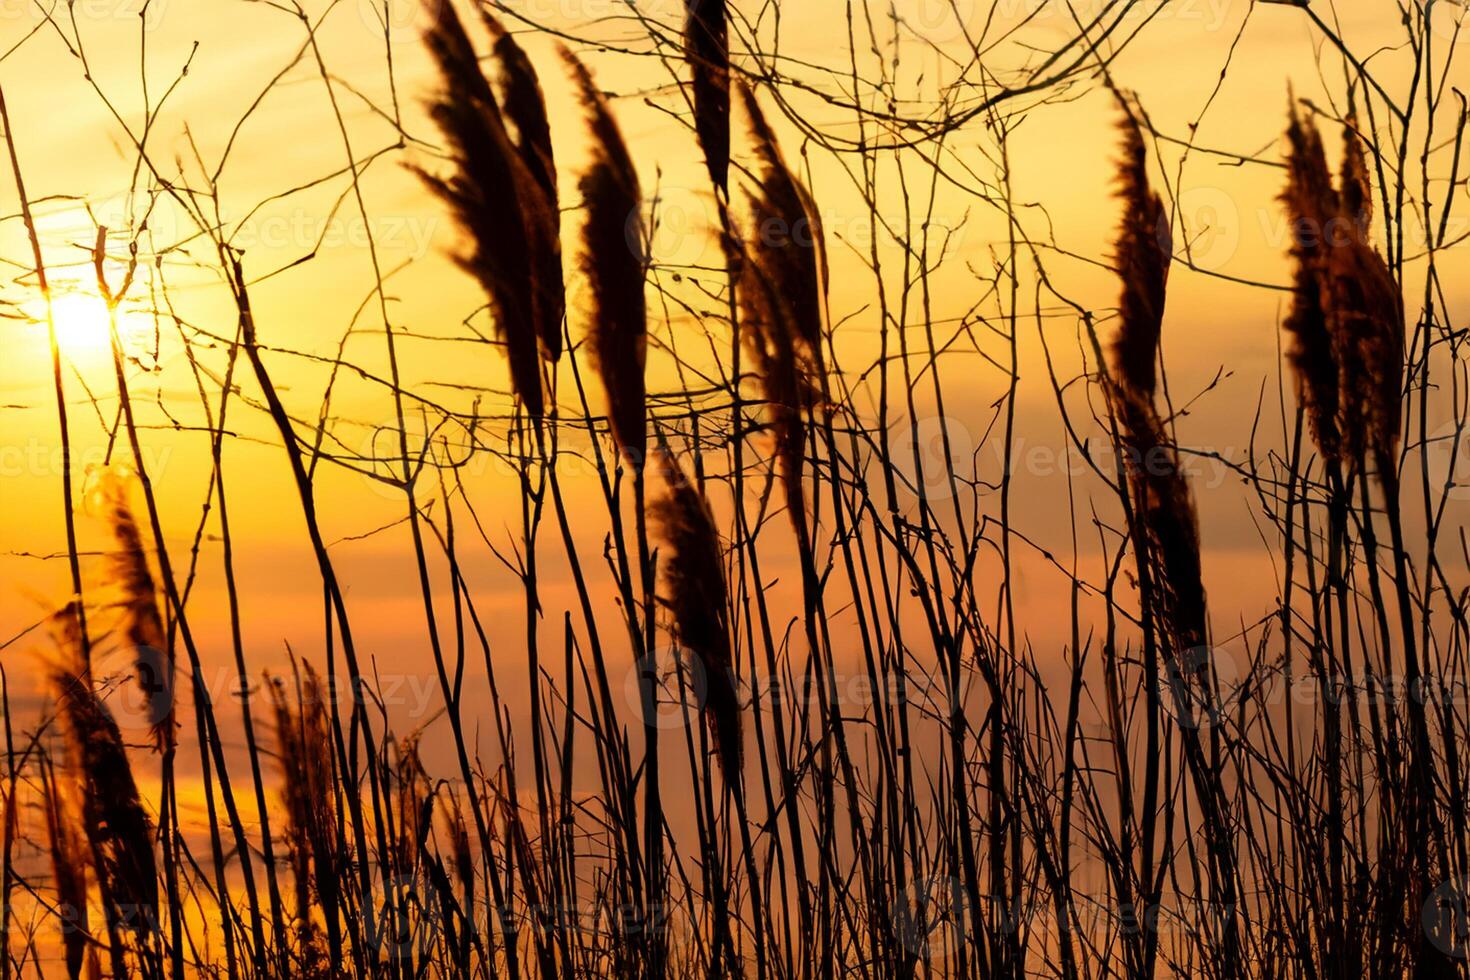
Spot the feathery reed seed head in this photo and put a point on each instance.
(787, 388)
(116, 826)
(525, 107)
(304, 752)
(697, 595)
(613, 260)
(1163, 507)
(786, 240)
(154, 665)
(782, 290)
(1347, 321)
(1142, 255)
(1311, 203)
(1356, 195)
(498, 203)
(706, 47)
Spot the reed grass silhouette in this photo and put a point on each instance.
(841, 750)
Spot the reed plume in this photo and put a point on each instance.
(787, 244)
(706, 47)
(525, 107)
(68, 870)
(499, 205)
(786, 387)
(117, 829)
(459, 844)
(697, 596)
(1164, 508)
(1367, 314)
(154, 666)
(782, 296)
(1142, 256)
(415, 805)
(1164, 521)
(1311, 204)
(614, 261)
(1357, 187)
(304, 751)
(1347, 321)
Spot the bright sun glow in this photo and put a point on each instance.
(81, 324)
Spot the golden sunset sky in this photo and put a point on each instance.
(281, 193)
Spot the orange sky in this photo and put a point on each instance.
(1061, 157)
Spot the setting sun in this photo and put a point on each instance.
(82, 326)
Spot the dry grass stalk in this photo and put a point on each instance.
(706, 46)
(154, 666)
(517, 841)
(613, 260)
(498, 203)
(698, 597)
(518, 850)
